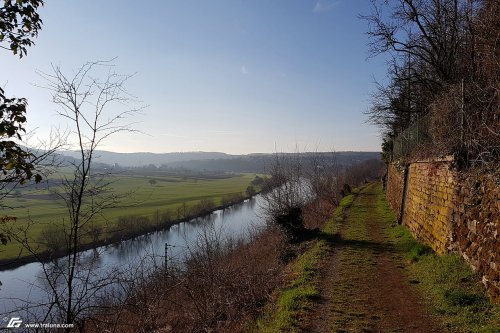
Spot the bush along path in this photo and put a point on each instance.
(365, 273)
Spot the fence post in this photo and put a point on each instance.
(405, 189)
(462, 102)
(418, 129)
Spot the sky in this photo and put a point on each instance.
(224, 75)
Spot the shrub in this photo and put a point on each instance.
(131, 224)
(53, 237)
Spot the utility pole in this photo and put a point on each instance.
(166, 256)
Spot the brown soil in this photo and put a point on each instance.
(362, 281)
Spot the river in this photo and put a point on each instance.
(25, 284)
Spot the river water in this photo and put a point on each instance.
(25, 285)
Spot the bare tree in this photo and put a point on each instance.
(288, 195)
(323, 172)
(96, 109)
(443, 59)
(430, 31)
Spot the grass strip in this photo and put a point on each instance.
(349, 290)
(295, 297)
(453, 289)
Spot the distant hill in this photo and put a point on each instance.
(215, 161)
(143, 159)
(262, 162)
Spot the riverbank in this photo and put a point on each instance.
(136, 199)
(116, 237)
(223, 285)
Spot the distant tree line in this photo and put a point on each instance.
(262, 163)
(445, 68)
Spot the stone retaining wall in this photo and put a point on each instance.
(429, 202)
(452, 211)
(394, 188)
(476, 226)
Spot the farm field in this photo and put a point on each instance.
(148, 195)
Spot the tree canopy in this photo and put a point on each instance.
(443, 76)
(16, 164)
(19, 24)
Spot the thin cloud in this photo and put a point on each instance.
(244, 70)
(222, 132)
(324, 6)
(171, 135)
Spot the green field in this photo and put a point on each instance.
(144, 194)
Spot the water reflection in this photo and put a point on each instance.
(27, 284)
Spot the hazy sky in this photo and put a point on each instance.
(220, 75)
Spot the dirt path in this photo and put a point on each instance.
(362, 284)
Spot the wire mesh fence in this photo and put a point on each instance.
(417, 133)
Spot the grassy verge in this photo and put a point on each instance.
(350, 311)
(295, 297)
(453, 289)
